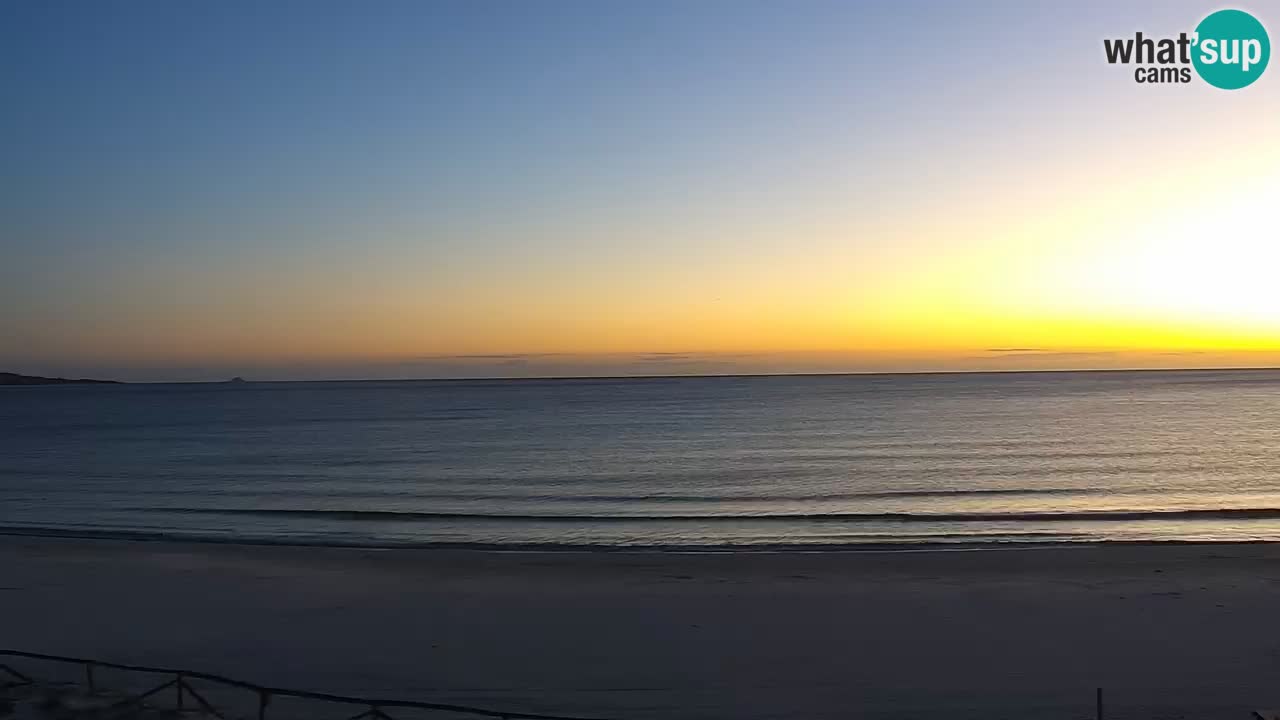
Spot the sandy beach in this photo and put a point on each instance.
(1177, 631)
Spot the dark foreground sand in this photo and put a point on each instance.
(1184, 631)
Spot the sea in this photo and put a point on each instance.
(699, 464)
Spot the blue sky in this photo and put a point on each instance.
(199, 188)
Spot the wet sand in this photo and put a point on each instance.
(1169, 631)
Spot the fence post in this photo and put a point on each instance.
(1098, 705)
(182, 688)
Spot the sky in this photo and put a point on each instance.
(309, 190)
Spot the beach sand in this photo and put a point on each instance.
(1170, 631)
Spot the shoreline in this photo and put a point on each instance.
(1169, 630)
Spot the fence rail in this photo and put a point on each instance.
(375, 707)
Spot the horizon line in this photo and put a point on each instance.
(854, 373)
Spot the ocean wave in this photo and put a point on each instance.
(1033, 516)
(330, 489)
(816, 544)
(658, 497)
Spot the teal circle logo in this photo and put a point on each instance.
(1232, 49)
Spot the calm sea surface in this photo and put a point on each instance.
(675, 463)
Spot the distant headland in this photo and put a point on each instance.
(7, 378)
